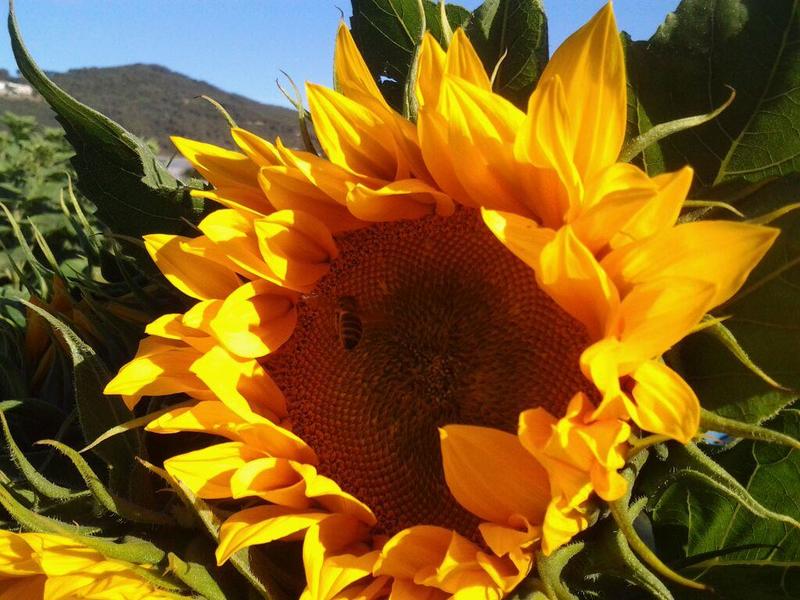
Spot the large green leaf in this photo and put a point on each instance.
(511, 35)
(387, 33)
(763, 318)
(725, 544)
(706, 45)
(133, 192)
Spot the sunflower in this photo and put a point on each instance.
(427, 350)
(53, 567)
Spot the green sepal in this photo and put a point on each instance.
(111, 502)
(261, 580)
(196, 577)
(38, 482)
(550, 568)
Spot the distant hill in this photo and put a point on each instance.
(154, 102)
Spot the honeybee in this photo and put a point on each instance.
(348, 323)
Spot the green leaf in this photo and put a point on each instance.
(763, 548)
(387, 33)
(753, 47)
(510, 36)
(762, 319)
(133, 192)
(97, 412)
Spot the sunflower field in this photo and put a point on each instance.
(509, 324)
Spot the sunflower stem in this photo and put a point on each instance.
(713, 422)
(447, 31)
(619, 510)
(410, 104)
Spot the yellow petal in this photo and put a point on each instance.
(210, 416)
(232, 174)
(546, 141)
(463, 62)
(328, 493)
(405, 589)
(288, 188)
(662, 211)
(58, 555)
(656, 315)
(232, 233)
(522, 236)
(332, 180)
(261, 525)
(16, 556)
(296, 246)
(665, 404)
(435, 144)
(398, 200)
(437, 558)
(570, 274)
(353, 136)
(256, 319)
(591, 64)
(481, 128)
(242, 384)
(351, 73)
(190, 265)
(560, 526)
(158, 369)
(272, 479)
(208, 471)
(274, 440)
(719, 252)
(410, 551)
(490, 474)
(329, 568)
(503, 540)
(258, 150)
(430, 72)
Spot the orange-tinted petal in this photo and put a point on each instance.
(490, 474)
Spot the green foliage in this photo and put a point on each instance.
(34, 172)
(134, 194)
(761, 555)
(388, 33)
(708, 46)
(762, 320)
(510, 36)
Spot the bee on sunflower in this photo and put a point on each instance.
(522, 286)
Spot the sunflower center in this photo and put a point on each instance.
(421, 324)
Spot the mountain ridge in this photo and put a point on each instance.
(154, 102)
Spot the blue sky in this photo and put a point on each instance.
(237, 45)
